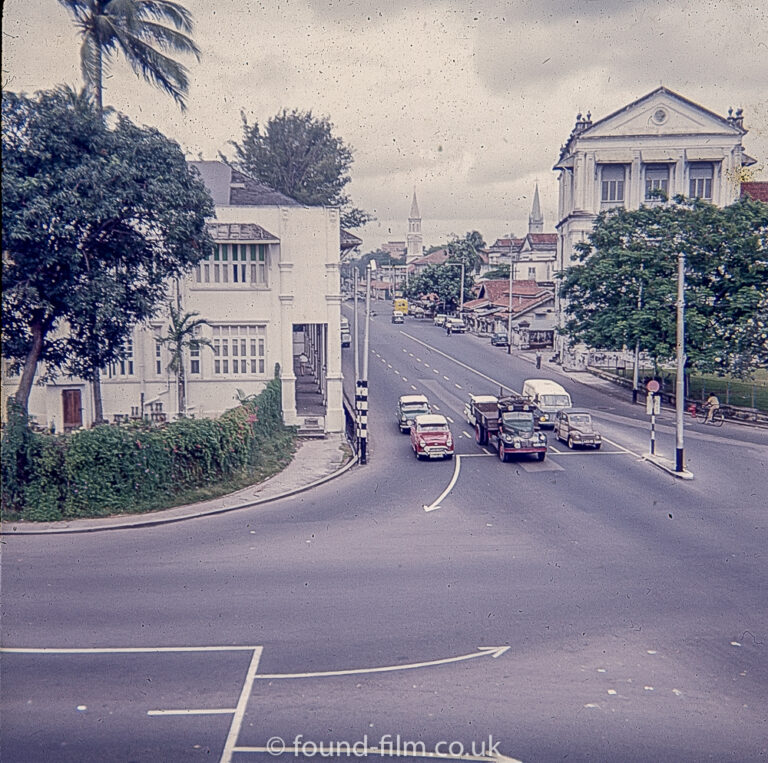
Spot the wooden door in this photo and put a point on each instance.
(73, 409)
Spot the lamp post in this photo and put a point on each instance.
(509, 310)
(680, 351)
(361, 387)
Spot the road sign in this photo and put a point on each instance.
(652, 386)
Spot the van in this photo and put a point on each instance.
(549, 397)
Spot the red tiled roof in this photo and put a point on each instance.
(543, 238)
(757, 189)
(239, 232)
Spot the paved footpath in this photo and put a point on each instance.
(315, 461)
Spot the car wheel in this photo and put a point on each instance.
(449, 456)
(597, 446)
(570, 442)
(540, 456)
(502, 455)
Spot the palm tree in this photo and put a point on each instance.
(182, 335)
(144, 31)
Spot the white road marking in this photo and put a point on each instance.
(127, 649)
(446, 378)
(404, 379)
(387, 752)
(436, 407)
(479, 455)
(436, 504)
(242, 704)
(435, 370)
(410, 354)
(482, 651)
(458, 386)
(201, 711)
(449, 419)
(413, 387)
(418, 360)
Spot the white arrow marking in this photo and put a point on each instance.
(436, 504)
(127, 650)
(482, 651)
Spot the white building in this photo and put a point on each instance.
(660, 141)
(270, 292)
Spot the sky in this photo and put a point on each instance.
(467, 103)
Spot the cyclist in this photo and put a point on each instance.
(711, 405)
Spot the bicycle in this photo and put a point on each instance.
(700, 414)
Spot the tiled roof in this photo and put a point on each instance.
(525, 294)
(240, 232)
(438, 257)
(542, 240)
(757, 189)
(506, 245)
(245, 191)
(349, 240)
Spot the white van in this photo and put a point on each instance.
(549, 397)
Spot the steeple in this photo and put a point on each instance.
(414, 241)
(415, 214)
(536, 219)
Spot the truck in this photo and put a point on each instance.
(401, 305)
(509, 428)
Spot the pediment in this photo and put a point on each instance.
(661, 113)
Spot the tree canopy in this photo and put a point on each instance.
(143, 31)
(622, 289)
(96, 220)
(297, 154)
(444, 281)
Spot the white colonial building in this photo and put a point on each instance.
(270, 293)
(660, 141)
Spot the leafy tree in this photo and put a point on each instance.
(297, 154)
(96, 220)
(183, 335)
(467, 250)
(444, 282)
(622, 290)
(143, 31)
(499, 273)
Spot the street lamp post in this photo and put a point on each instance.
(509, 311)
(361, 391)
(680, 381)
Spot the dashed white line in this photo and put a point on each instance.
(458, 386)
(446, 378)
(413, 387)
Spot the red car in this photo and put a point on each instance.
(431, 437)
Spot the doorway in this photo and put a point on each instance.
(72, 405)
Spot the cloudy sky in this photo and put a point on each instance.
(467, 102)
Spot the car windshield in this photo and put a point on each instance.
(519, 422)
(414, 410)
(556, 400)
(433, 428)
(580, 421)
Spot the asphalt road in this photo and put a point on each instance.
(632, 607)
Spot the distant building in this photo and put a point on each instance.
(395, 249)
(757, 190)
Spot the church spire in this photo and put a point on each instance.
(415, 214)
(536, 219)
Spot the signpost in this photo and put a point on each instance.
(653, 409)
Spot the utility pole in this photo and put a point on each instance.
(361, 391)
(635, 375)
(355, 331)
(680, 348)
(509, 315)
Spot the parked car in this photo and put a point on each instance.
(500, 339)
(455, 326)
(431, 437)
(576, 428)
(409, 407)
(398, 317)
(439, 319)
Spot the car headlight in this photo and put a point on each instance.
(543, 417)
(422, 444)
(506, 438)
(517, 443)
(576, 436)
(542, 438)
(449, 442)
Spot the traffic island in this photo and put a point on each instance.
(667, 465)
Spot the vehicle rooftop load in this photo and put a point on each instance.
(413, 399)
(427, 419)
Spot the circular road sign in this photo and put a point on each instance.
(652, 386)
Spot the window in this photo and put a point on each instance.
(158, 357)
(656, 179)
(124, 366)
(612, 187)
(532, 274)
(194, 356)
(701, 181)
(239, 350)
(235, 263)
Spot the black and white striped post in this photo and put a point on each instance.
(361, 407)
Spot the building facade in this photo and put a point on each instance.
(660, 142)
(270, 296)
(414, 239)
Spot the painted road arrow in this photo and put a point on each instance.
(482, 651)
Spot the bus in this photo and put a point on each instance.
(401, 305)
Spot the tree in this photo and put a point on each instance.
(183, 335)
(467, 250)
(443, 281)
(96, 220)
(622, 290)
(139, 29)
(297, 154)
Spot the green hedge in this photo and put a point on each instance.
(135, 467)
